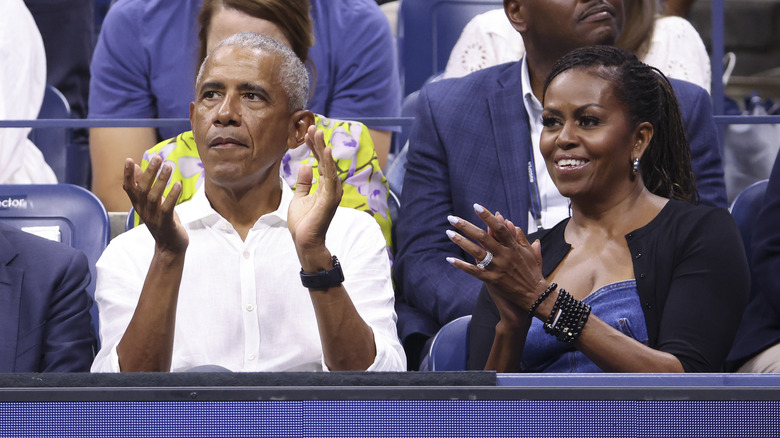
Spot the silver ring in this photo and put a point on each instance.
(486, 261)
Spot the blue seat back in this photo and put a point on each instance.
(53, 142)
(427, 32)
(745, 210)
(397, 167)
(450, 347)
(408, 109)
(80, 216)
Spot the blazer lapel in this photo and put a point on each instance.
(509, 121)
(10, 298)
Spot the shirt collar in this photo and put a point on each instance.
(528, 94)
(532, 105)
(199, 208)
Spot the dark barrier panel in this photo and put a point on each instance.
(476, 404)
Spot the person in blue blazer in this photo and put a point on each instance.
(45, 324)
(473, 141)
(756, 348)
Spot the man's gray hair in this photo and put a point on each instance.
(292, 73)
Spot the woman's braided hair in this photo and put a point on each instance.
(647, 94)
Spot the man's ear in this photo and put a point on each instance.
(299, 124)
(192, 114)
(515, 12)
(644, 133)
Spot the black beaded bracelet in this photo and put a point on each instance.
(568, 318)
(541, 298)
(555, 313)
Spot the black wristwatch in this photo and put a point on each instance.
(323, 279)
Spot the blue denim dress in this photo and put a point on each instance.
(617, 304)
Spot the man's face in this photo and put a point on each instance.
(564, 25)
(240, 119)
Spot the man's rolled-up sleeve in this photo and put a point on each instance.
(367, 280)
(121, 271)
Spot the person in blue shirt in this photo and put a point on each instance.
(144, 66)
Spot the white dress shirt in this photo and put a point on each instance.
(241, 303)
(489, 39)
(23, 79)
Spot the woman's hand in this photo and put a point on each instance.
(514, 275)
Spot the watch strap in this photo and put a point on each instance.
(324, 279)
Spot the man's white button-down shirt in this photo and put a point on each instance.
(241, 303)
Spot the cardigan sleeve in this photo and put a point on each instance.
(707, 293)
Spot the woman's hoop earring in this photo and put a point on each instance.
(635, 166)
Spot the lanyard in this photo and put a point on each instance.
(533, 190)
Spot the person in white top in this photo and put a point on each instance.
(244, 276)
(669, 43)
(23, 75)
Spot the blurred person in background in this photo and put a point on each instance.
(668, 43)
(144, 66)
(23, 75)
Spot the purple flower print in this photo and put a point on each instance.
(370, 185)
(163, 152)
(324, 122)
(191, 166)
(345, 145)
(291, 163)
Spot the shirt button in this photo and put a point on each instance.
(638, 255)
(250, 307)
(246, 254)
(251, 357)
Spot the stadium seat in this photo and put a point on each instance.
(745, 210)
(63, 212)
(397, 167)
(427, 32)
(450, 347)
(53, 142)
(408, 109)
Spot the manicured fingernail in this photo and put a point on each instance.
(451, 260)
(453, 220)
(450, 234)
(127, 164)
(478, 208)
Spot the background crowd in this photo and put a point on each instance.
(563, 183)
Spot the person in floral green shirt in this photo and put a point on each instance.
(365, 186)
